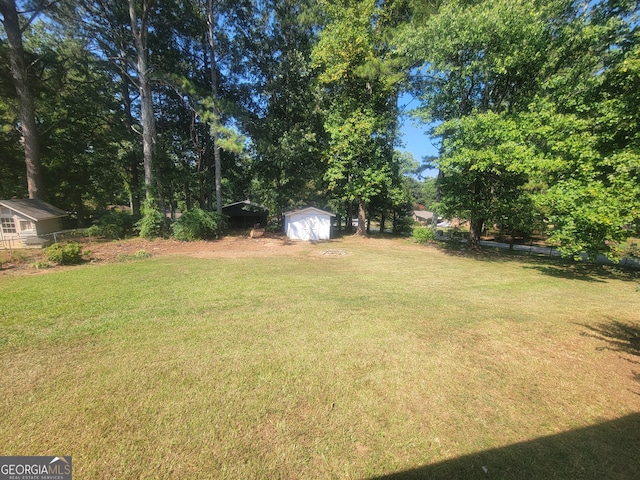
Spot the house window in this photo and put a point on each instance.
(26, 225)
(8, 225)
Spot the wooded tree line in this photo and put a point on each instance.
(182, 103)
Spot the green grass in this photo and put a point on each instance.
(394, 361)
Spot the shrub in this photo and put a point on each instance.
(65, 254)
(422, 235)
(153, 223)
(39, 264)
(139, 255)
(196, 224)
(632, 250)
(113, 225)
(273, 226)
(403, 224)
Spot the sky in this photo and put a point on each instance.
(414, 135)
(417, 142)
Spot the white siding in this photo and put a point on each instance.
(309, 227)
(309, 224)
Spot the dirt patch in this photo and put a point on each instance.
(101, 251)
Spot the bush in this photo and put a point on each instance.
(632, 250)
(153, 223)
(113, 225)
(196, 224)
(139, 255)
(65, 254)
(422, 235)
(403, 224)
(39, 264)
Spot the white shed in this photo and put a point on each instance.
(308, 224)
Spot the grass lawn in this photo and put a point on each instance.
(392, 361)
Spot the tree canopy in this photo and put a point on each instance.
(205, 102)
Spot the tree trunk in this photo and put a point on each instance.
(215, 124)
(348, 226)
(132, 168)
(26, 103)
(146, 98)
(475, 230)
(362, 225)
(434, 218)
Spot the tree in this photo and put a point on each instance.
(360, 84)
(26, 103)
(483, 160)
(140, 31)
(281, 106)
(583, 124)
(478, 59)
(561, 84)
(105, 29)
(80, 132)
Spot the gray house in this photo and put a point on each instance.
(24, 222)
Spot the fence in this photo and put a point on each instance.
(15, 243)
(627, 262)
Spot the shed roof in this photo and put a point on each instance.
(246, 205)
(315, 210)
(33, 209)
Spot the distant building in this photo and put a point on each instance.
(423, 216)
(26, 222)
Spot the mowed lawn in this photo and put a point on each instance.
(392, 361)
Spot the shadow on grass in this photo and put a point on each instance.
(547, 265)
(606, 451)
(573, 272)
(621, 337)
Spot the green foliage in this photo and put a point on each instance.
(139, 255)
(65, 254)
(360, 86)
(483, 167)
(196, 224)
(539, 109)
(587, 218)
(40, 264)
(113, 225)
(153, 223)
(423, 235)
(478, 56)
(76, 107)
(632, 249)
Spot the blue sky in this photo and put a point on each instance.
(414, 135)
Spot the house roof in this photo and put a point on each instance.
(33, 209)
(315, 210)
(423, 214)
(246, 205)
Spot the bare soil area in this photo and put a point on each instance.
(32, 261)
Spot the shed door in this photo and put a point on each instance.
(305, 228)
(310, 228)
